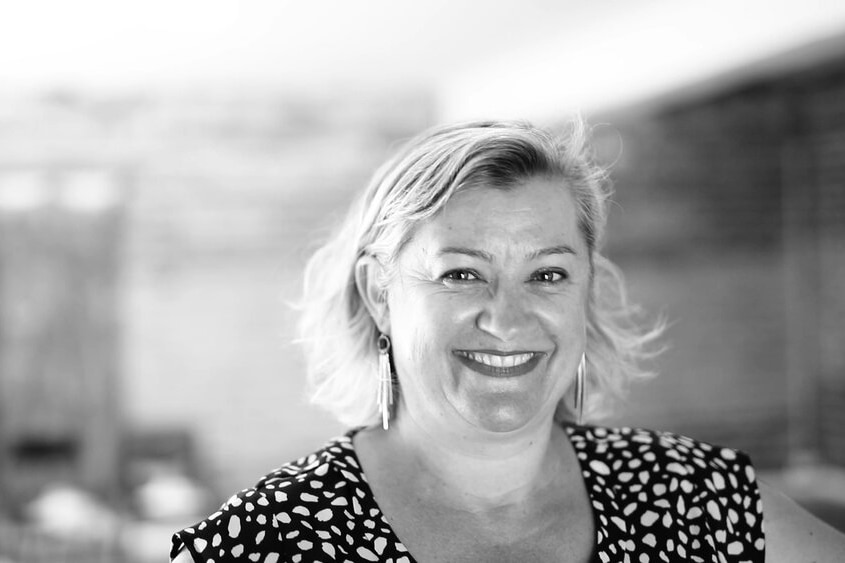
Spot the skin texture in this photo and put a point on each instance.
(793, 535)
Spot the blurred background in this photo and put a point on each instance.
(167, 167)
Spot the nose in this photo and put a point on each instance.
(505, 315)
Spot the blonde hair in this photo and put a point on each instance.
(336, 330)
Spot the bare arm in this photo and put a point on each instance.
(793, 535)
(183, 556)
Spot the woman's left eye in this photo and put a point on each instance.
(549, 276)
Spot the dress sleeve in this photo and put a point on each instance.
(732, 505)
(241, 524)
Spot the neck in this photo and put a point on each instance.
(478, 470)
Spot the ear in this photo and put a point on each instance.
(368, 272)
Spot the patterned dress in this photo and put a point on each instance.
(656, 497)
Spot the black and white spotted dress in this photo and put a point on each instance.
(656, 497)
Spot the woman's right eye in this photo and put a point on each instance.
(461, 276)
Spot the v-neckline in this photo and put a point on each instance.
(372, 504)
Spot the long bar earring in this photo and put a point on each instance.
(580, 387)
(385, 387)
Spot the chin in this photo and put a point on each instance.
(502, 417)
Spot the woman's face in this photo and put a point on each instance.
(487, 312)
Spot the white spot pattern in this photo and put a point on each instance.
(684, 509)
(683, 505)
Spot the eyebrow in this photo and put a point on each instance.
(550, 251)
(466, 251)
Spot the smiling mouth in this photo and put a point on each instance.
(498, 364)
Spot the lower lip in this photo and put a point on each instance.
(493, 371)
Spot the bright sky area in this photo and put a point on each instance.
(478, 56)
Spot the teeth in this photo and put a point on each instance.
(499, 361)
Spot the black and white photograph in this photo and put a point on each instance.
(422, 282)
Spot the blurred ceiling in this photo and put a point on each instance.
(646, 52)
(478, 56)
(290, 43)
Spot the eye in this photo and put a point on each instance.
(461, 276)
(550, 276)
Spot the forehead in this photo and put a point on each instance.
(537, 213)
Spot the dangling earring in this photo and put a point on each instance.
(385, 386)
(580, 385)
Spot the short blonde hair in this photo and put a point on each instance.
(337, 332)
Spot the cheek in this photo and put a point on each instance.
(418, 359)
(419, 327)
(579, 305)
(568, 319)
(417, 347)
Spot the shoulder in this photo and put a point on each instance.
(294, 507)
(793, 534)
(623, 450)
(674, 487)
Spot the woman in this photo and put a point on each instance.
(463, 322)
